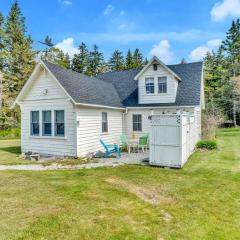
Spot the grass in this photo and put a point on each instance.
(12, 133)
(10, 152)
(201, 201)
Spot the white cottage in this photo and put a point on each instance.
(66, 113)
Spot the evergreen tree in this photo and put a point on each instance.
(2, 49)
(96, 63)
(80, 60)
(129, 62)
(231, 46)
(145, 62)
(57, 56)
(19, 60)
(183, 61)
(137, 58)
(116, 62)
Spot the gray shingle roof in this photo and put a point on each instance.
(85, 89)
(119, 89)
(188, 93)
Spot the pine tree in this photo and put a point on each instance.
(80, 60)
(19, 60)
(96, 62)
(57, 56)
(116, 62)
(2, 49)
(231, 46)
(145, 62)
(129, 63)
(137, 58)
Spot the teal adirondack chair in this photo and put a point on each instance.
(110, 149)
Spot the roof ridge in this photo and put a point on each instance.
(178, 64)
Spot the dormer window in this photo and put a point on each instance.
(149, 83)
(162, 85)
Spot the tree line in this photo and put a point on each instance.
(222, 81)
(18, 59)
(92, 62)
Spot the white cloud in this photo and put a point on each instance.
(162, 51)
(67, 46)
(122, 13)
(108, 10)
(226, 8)
(66, 3)
(200, 52)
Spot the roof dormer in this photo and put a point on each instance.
(157, 83)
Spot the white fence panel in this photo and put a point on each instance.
(172, 139)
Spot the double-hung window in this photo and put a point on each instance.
(104, 122)
(59, 123)
(149, 84)
(46, 123)
(35, 123)
(162, 85)
(137, 122)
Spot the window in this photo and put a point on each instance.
(137, 122)
(59, 123)
(46, 123)
(155, 67)
(162, 85)
(104, 122)
(149, 85)
(34, 122)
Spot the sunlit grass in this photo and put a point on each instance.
(200, 201)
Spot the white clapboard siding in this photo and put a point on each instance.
(49, 145)
(89, 129)
(42, 83)
(172, 84)
(128, 118)
(55, 99)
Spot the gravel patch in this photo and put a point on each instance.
(134, 158)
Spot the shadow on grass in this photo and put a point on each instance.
(14, 150)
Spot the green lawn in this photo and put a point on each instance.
(201, 201)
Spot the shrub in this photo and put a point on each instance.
(207, 144)
(11, 133)
(210, 123)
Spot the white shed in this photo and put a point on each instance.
(172, 139)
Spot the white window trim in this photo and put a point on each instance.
(137, 122)
(64, 122)
(104, 132)
(42, 134)
(164, 93)
(52, 136)
(39, 124)
(145, 85)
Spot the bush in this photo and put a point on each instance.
(210, 123)
(11, 133)
(207, 144)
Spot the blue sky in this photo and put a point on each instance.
(170, 29)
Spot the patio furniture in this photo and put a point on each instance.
(110, 149)
(132, 144)
(123, 141)
(143, 143)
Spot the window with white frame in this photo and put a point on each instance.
(34, 123)
(59, 123)
(162, 85)
(46, 123)
(149, 84)
(137, 122)
(104, 122)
